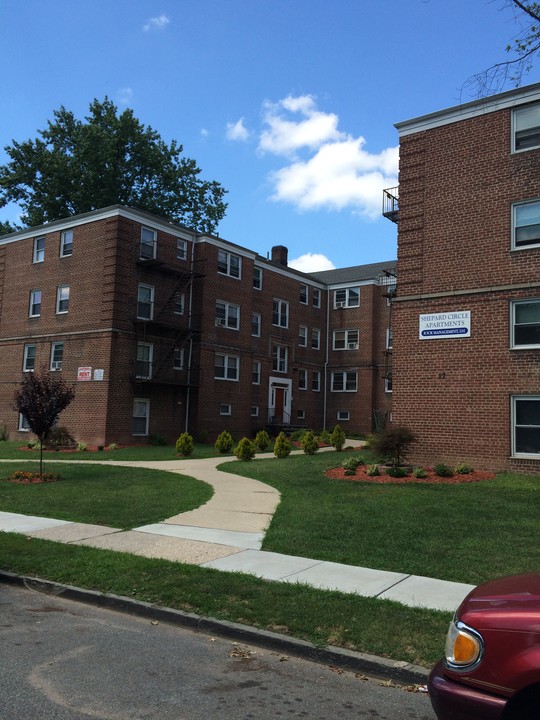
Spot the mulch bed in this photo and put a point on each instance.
(432, 478)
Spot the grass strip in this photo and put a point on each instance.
(369, 625)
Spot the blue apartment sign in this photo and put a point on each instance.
(447, 325)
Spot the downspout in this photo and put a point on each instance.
(325, 389)
(190, 353)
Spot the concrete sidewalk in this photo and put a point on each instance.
(227, 533)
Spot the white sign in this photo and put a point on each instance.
(98, 374)
(84, 374)
(445, 325)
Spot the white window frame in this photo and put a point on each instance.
(343, 415)
(523, 120)
(301, 414)
(256, 373)
(62, 299)
(66, 243)
(181, 249)
(280, 313)
(513, 412)
(149, 303)
(256, 324)
(178, 358)
(389, 338)
(148, 361)
(225, 409)
(29, 358)
(316, 381)
(56, 363)
(229, 264)
(227, 315)
(302, 335)
(315, 339)
(231, 367)
(345, 340)
(39, 249)
(34, 304)
(348, 297)
(179, 304)
(280, 358)
(516, 208)
(257, 278)
(148, 241)
(302, 379)
(513, 306)
(254, 411)
(22, 423)
(342, 385)
(304, 294)
(316, 297)
(146, 404)
(387, 384)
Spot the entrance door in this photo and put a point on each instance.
(279, 402)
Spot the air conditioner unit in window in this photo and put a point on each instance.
(56, 365)
(220, 321)
(339, 305)
(352, 346)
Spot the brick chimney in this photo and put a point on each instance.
(280, 255)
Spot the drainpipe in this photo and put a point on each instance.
(190, 354)
(325, 390)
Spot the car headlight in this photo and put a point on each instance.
(464, 646)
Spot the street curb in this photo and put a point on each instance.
(398, 671)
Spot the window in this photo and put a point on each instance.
(388, 384)
(62, 299)
(39, 249)
(35, 303)
(143, 366)
(315, 339)
(347, 297)
(225, 409)
(148, 244)
(227, 315)
(181, 249)
(256, 373)
(304, 294)
(29, 358)
(280, 355)
(254, 411)
(301, 414)
(23, 425)
(66, 243)
(141, 417)
(389, 338)
(178, 359)
(57, 355)
(280, 313)
(256, 324)
(302, 336)
(344, 382)
(257, 278)
(526, 225)
(345, 339)
(302, 379)
(526, 127)
(316, 381)
(145, 302)
(316, 297)
(179, 303)
(526, 425)
(229, 264)
(526, 324)
(226, 367)
(343, 415)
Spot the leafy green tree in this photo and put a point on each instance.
(41, 397)
(109, 158)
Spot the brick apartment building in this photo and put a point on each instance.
(163, 330)
(467, 310)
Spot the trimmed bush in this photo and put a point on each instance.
(372, 471)
(324, 437)
(309, 443)
(225, 443)
(245, 450)
(184, 444)
(396, 472)
(463, 469)
(59, 436)
(353, 462)
(297, 435)
(282, 446)
(443, 470)
(337, 438)
(262, 440)
(393, 443)
(420, 473)
(112, 446)
(82, 446)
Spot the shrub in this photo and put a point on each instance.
(353, 462)
(372, 470)
(82, 446)
(282, 446)
(156, 439)
(297, 435)
(309, 443)
(262, 440)
(443, 470)
(396, 472)
(420, 472)
(393, 443)
(337, 438)
(349, 472)
(225, 443)
(463, 469)
(245, 450)
(184, 444)
(4, 435)
(324, 437)
(59, 436)
(34, 445)
(112, 446)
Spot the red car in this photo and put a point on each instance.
(492, 666)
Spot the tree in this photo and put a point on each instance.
(525, 47)
(109, 158)
(393, 443)
(41, 398)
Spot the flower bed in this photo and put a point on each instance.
(361, 476)
(27, 477)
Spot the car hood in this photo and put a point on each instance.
(514, 592)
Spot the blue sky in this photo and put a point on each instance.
(289, 104)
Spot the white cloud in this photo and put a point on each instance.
(312, 262)
(237, 131)
(328, 169)
(125, 96)
(204, 133)
(156, 23)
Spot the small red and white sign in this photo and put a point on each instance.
(84, 374)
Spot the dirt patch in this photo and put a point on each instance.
(432, 477)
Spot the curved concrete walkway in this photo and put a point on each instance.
(227, 533)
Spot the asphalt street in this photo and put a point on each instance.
(62, 660)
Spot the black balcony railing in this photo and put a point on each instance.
(391, 204)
